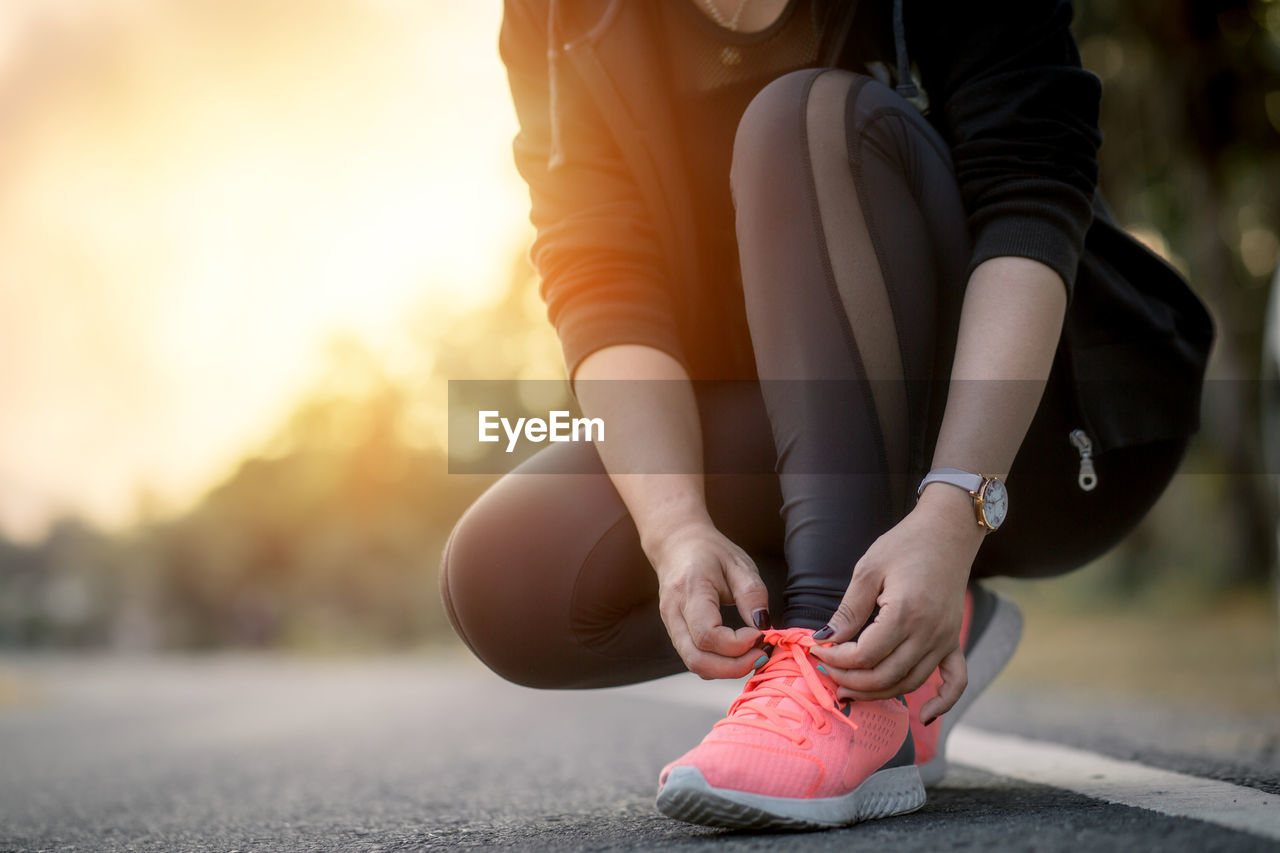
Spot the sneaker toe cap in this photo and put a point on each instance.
(754, 769)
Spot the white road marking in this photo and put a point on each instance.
(1126, 783)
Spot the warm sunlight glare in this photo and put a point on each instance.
(196, 195)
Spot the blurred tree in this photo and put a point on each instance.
(1190, 162)
(329, 536)
(330, 533)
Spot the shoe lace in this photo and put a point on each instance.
(789, 674)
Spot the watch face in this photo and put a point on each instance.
(995, 502)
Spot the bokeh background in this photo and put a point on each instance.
(245, 244)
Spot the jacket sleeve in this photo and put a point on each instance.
(1007, 91)
(603, 274)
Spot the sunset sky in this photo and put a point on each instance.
(196, 196)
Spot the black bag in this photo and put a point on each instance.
(1137, 339)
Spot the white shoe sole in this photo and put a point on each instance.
(688, 797)
(984, 661)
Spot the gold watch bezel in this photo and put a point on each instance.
(980, 503)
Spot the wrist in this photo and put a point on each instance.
(671, 521)
(952, 508)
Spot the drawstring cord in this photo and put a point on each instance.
(905, 87)
(556, 153)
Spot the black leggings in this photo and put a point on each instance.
(853, 249)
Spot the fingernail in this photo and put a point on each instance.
(824, 632)
(760, 661)
(761, 618)
(931, 722)
(822, 669)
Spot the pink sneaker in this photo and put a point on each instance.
(989, 635)
(789, 755)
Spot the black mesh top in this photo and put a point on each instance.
(714, 73)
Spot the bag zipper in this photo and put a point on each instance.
(1088, 478)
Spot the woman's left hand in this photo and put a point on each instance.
(916, 574)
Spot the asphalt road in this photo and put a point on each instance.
(434, 753)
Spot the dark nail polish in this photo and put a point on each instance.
(824, 632)
(761, 618)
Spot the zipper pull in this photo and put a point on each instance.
(1088, 478)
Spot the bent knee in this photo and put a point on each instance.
(485, 605)
(510, 566)
(780, 122)
(775, 122)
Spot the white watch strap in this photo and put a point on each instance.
(954, 476)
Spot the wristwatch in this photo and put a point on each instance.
(990, 497)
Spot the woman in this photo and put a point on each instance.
(856, 310)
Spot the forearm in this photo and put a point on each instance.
(653, 445)
(1009, 329)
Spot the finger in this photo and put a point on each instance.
(669, 607)
(749, 592)
(955, 677)
(701, 614)
(876, 642)
(888, 672)
(705, 664)
(916, 676)
(854, 610)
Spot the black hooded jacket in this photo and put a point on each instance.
(615, 245)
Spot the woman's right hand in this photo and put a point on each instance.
(698, 570)
(654, 458)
